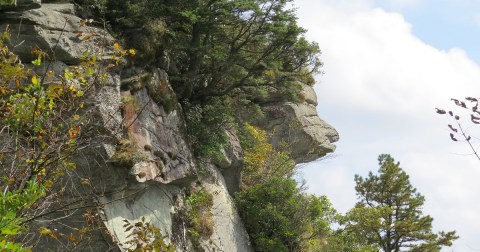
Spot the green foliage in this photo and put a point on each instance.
(388, 214)
(14, 204)
(277, 213)
(199, 214)
(206, 124)
(221, 47)
(341, 240)
(7, 2)
(145, 237)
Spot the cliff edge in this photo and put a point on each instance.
(141, 166)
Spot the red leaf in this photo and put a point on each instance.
(452, 137)
(450, 113)
(474, 109)
(459, 103)
(452, 128)
(468, 138)
(471, 99)
(457, 117)
(475, 119)
(440, 111)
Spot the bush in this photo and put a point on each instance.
(199, 206)
(145, 237)
(278, 214)
(44, 122)
(205, 126)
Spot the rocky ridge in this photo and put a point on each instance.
(142, 164)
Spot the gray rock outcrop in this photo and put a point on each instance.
(142, 164)
(307, 136)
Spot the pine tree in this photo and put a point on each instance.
(389, 212)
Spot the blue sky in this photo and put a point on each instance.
(442, 23)
(387, 65)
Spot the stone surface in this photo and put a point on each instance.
(309, 95)
(230, 162)
(152, 202)
(159, 134)
(298, 124)
(54, 29)
(228, 233)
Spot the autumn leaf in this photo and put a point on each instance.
(459, 103)
(440, 111)
(45, 231)
(475, 119)
(453, 137)
(452, 128)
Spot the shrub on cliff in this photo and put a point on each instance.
(43, 122)
(278, 214)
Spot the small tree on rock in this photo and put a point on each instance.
(389, 215)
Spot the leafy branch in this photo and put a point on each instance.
(458, 130)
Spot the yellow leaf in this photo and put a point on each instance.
(34, 80)
(116, 46)
(45, 231)
(72, 238)
(132, 52)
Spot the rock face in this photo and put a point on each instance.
(52, 27)
(308, 136)
(141, 166)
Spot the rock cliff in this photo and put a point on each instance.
(142, 163)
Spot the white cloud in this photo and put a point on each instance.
(380, 88)
(381, 64)
(401, 4)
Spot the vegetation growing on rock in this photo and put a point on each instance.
(278, 214)
(224, 60)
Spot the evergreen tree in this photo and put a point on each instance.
(389, 212)
(221, 47)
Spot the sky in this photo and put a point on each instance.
(387, 65)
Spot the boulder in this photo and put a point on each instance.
(54, 29)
